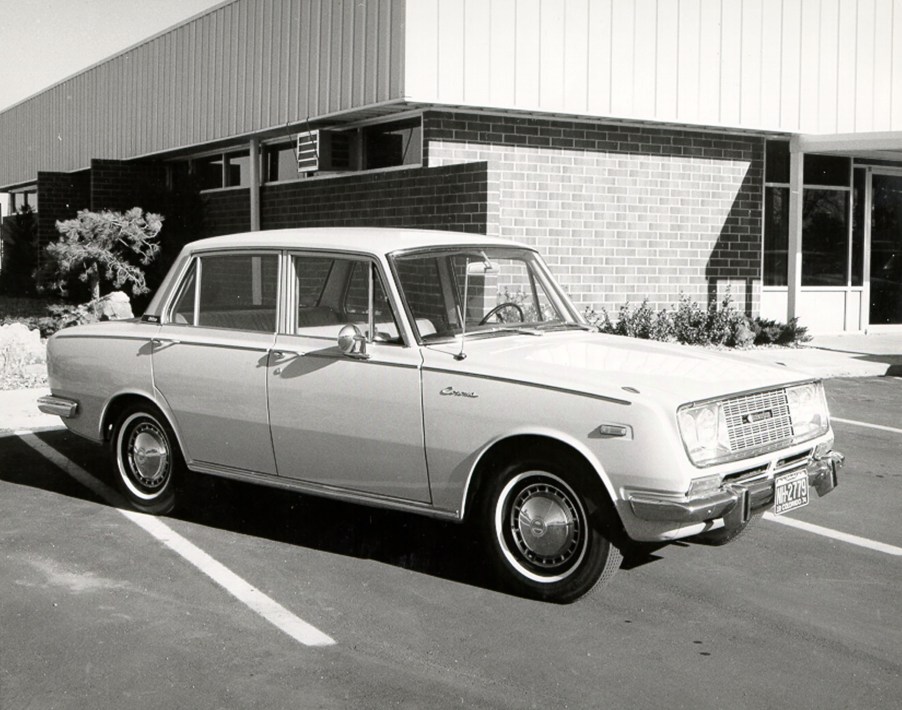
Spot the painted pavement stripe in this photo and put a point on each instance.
(835, 534)
(251, 597)
(881, 427)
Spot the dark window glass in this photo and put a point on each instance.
(826, 170)
(858, 189)
(209, 172)
(312, 274)
(238, 169)
(777, 165)
(886, 250)
(358, 294)
(825, 237)
(423, 292)
(393, 144)
(776, 235)
(239, 291)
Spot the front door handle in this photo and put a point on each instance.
(165, 341)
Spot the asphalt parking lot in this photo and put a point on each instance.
(256, 598)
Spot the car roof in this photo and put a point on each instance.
(369, 240)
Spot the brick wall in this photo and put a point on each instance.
(226, 211)
(60, 197)
(621, 213)
(452, 197)
(119, 186)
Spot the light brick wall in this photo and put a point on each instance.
(621, 213)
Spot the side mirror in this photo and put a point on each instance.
(352, 342)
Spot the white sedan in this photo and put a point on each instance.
(443, 374)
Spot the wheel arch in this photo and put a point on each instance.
(122, 401)
(516, 446)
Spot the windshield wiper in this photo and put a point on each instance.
(561, 325)
(513, 329)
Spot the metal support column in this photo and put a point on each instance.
(255, 184)
(794, 265)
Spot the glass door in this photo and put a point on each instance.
(886, 250)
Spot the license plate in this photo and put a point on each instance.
(790, 492)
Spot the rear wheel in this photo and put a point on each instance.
(146, 459)
(546, 533)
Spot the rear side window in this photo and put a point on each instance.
(233, 291)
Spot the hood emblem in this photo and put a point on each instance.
(451, 392)
(755, 417)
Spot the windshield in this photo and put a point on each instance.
(504, 289)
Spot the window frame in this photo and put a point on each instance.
(194, 266)
(292, 300)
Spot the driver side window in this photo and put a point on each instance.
(334, 292)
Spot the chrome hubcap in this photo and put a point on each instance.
(148, 455)
(546, 525)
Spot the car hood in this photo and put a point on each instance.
(620, 367)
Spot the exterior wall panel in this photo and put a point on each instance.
(246, 66)
(808, 66)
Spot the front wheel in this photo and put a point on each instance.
(545, 534)
(145, 459)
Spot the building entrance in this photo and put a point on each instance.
(886, 250)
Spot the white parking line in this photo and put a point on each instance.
(894, 430)
(251, 597)
(835, 534)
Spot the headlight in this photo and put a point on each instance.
(807, 410)
(704, 432)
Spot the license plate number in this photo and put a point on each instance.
(790, 492)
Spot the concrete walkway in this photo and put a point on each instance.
(825, 356)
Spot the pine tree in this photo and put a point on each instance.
(104, 247)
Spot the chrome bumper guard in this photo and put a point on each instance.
(60, 406)
(735, 502)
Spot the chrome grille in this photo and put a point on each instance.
(758, 419)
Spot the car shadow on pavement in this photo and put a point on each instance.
(434, 547)
(438, 548)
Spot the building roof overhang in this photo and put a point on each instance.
(882, 145)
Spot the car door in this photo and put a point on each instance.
(353, 423)
(210, 357)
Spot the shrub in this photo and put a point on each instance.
(769, 332)
(101, 247)
(719, 324)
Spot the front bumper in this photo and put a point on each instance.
(734, 502)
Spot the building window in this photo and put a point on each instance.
(858, 189)
(280, 161)
(825, 235)
(23, 200)
(826, 218)
(223, 170)
(827, 240)
(776, 235)
(776, 214)
(388, 144)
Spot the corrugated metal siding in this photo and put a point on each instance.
(818, 66)
(244, 67)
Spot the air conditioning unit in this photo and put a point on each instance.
(324, 150)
